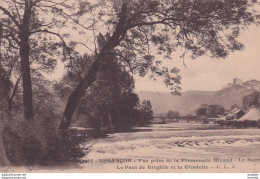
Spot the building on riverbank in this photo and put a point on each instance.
(235, 114)
(252, 115)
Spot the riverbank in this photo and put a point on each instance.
(170, 147)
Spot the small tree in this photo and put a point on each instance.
(251, 100)
(173, 114)
(202, 112)
(110, 103)
(145, 112)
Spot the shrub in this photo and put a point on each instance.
(39, 142)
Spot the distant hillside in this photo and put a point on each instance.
(191, 100)
(231, 96)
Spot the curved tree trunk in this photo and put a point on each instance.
(84, 84)
(76, 95)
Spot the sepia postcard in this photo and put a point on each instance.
(129, 86)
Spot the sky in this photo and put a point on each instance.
(207, 74)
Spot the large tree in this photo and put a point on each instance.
(139, 30)
(32, 39)
(110, 103)
(136, 31)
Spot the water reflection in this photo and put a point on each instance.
(155, 126)
(176, 126)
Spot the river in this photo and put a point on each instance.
(172, 140)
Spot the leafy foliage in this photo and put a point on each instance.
(142, 30)
(210, 110)
(39, 142)
(145, 113)
(137, 32)
(110, 103)
(251, 100)
(173, 114)
(126, 36)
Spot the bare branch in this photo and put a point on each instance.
(5, 11)
(17, 11)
